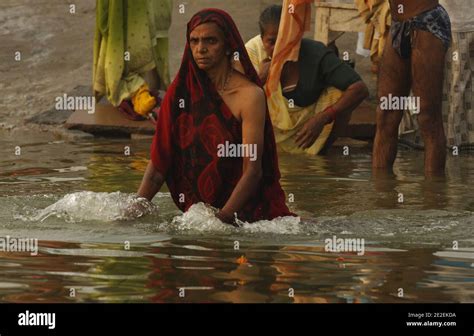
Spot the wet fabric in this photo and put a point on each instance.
(320, 73)
(279, 105)
(194, 121)
(435, 21)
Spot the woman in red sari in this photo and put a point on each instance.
(209, 107)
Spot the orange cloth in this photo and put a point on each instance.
(295, 20)
(287, 120)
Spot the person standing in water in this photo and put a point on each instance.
(413, 59)
(458, 88)
(210, 104)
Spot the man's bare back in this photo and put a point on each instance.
(410, 8)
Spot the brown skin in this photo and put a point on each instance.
(425, 76)
(410, 8)
(350, 99)
(269, 38)
(247, 103)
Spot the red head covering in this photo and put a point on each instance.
(194, 120)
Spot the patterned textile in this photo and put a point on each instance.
(435, 21)
(194, 120)
(139, 28)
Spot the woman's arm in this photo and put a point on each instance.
(151, 182)
(253, 124)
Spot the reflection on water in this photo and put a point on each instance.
(73, 197)
(214, 272)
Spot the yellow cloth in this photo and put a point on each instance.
(287, 118)
(256, 51)
(285, 138)
(376, 14)
(142, 101)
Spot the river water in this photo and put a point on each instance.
(417, 235)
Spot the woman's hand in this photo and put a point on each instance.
(137, 208)
(306, 137)
(227, 218)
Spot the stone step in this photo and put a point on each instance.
(108, 120)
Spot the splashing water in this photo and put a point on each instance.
(200, 218)
(91, 206)
(162, 216)
(108, 207)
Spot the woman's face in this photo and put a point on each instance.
(207, 45)
(269, 37)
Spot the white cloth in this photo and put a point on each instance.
(360, 46)
(461, 13)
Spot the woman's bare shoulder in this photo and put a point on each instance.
(248, 88)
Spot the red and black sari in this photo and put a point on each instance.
(194, 120)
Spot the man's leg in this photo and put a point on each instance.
(427, 69)
(394, 79)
